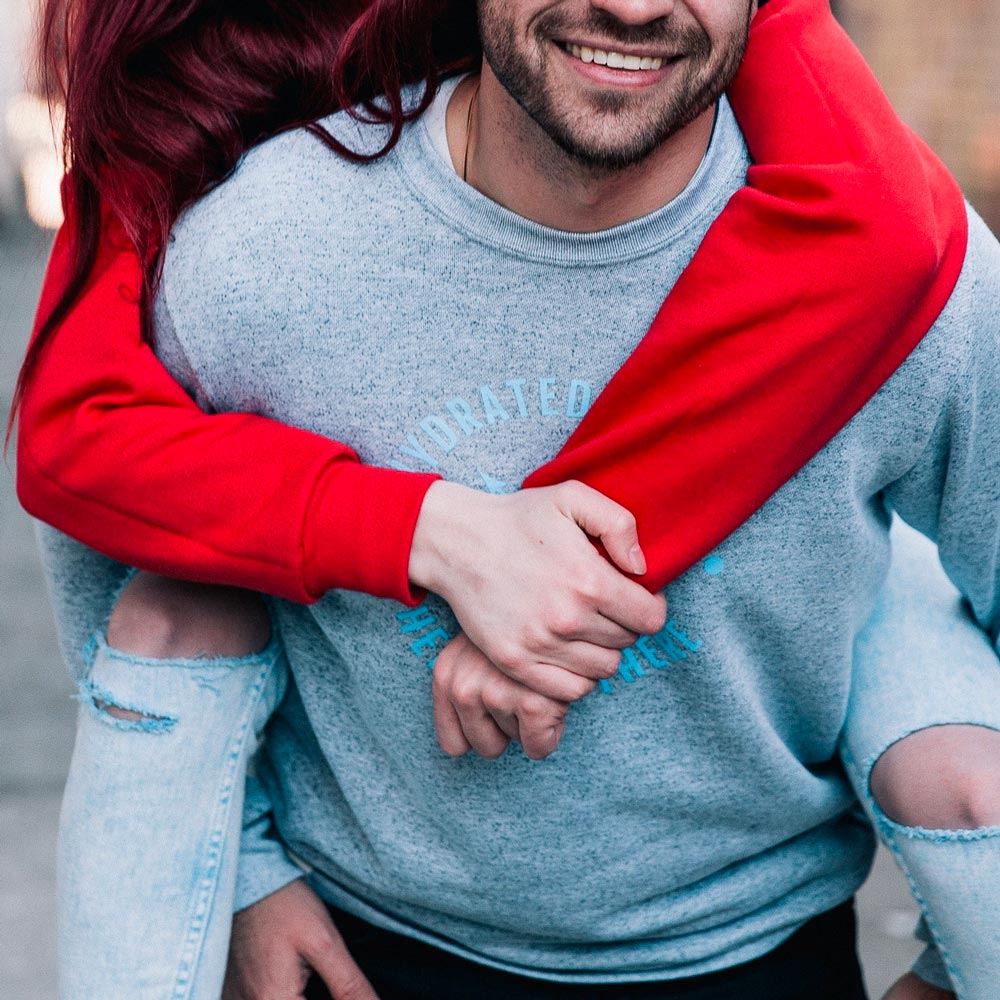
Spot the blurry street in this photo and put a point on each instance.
(37, 716)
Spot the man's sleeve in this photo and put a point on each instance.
(952, 493)
(264, 867)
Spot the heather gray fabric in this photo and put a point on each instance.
(694, 815)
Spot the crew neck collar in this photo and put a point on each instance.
(424, 160)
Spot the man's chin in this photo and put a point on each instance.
(609, 151)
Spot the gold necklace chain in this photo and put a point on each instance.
(468, 133)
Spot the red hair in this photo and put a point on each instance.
(163, 97)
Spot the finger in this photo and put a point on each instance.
(534, 721)
(612, 523)
(539, 739)
(540, 722)
(482, 732)
(555, 681)
(341, 974)
(593, 663)
(448, 726)
(507, 721)
(632, 606)
(599, 630)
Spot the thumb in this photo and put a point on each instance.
(341, 974)
(612, 523)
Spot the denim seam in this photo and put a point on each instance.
(208, 881)
(888, 838)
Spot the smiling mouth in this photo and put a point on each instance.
(613, 59)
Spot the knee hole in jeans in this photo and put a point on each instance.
(162, 618)
(944, 777)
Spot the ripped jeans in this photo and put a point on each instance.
(922, 662)
(151, 818)
(150, 830)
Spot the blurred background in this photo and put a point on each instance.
(940, 64)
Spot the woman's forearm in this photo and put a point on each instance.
(112, 451)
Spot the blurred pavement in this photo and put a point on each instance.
(37, 716)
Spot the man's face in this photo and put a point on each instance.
(609, 81)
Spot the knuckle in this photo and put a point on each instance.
(494, 694)
(535, 707)
(440, 680)
(508, 653)
(623, 521)
(562, 621)
(589, 583)
(465, 692)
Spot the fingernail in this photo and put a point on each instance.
(637, 560)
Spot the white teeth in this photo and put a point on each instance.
(616, 60)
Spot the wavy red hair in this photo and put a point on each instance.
(163, 97)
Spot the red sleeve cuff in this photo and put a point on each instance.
(359, 531)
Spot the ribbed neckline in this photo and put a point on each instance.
(461, 206)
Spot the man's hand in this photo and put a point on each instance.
(911, 987)
(278, 941)
(476, 707)
(528, 586)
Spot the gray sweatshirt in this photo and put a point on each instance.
(694, 814)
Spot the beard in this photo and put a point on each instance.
(612, 129)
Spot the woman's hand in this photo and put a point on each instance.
(476, 707)
(529, 588)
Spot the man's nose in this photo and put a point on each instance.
(636, 11)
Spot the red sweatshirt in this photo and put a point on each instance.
(809, 290)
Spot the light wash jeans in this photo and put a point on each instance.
(150, 827)
(921, 661)
(150, 830)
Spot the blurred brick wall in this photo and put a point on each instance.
(939, 61)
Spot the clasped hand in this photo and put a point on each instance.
(544, 615)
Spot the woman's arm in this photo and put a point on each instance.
(113, 452)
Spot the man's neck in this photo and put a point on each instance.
(512, 161)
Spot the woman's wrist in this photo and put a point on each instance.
(438, 536)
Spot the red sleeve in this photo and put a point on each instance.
(113, 452)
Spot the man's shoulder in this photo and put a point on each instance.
(290, 175)
(970, 321)
(296, 168)
(960, 353)
(291, 200)
(979, 284)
